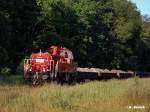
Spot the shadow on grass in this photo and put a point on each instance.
(11, 80)
(19, 80)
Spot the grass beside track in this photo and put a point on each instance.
(98, 96)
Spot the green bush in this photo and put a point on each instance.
(5, 71)
(20, 68)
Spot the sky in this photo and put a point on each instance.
(143, 6)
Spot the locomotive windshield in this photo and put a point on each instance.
(67, 54)
(70, 55)
(62, 53)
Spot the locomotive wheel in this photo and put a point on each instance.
(36, 79)
(67, 77)
(70, 79)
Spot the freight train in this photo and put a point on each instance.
(57, 64)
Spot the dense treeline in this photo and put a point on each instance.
(101, 33)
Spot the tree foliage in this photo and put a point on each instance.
(101, 33)
(17, 21)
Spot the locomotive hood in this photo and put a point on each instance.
(40, 61)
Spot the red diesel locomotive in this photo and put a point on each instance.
(54, 64)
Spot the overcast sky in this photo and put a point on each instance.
(143, 6)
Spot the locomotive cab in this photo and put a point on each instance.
(66, 56)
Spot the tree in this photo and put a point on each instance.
(17, 19)
(101, 33)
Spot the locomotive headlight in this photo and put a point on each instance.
(30, 70)
(43, 70)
